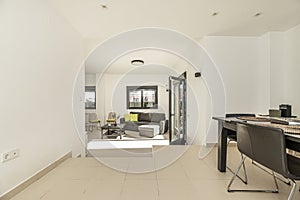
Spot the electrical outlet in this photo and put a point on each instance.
(10, 155)
(5, 157)
(14, 153)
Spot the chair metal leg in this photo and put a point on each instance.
(244, 168)
(279, 178)
(293, 190)
(235, 175)
(275, 180)
(245, 180)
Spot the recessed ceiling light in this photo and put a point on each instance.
(137, 62)
(104, 6)
(258, 14)
(214, 14)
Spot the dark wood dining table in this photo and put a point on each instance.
(228, 126)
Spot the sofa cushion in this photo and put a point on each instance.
(157, 117)
(138, 113)
(145, 117)
(127, 117)
(134, 117)
(133, 126)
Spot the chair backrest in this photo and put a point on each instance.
(232, 134)
(122, 120)
(91, 117)
(264, 145)
(112, 115)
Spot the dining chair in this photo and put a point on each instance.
(266, 146)
(111, 118)
(232, 138)
(91, 122)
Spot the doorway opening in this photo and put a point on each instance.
(176, 44)
(178, 109)
(120, 79)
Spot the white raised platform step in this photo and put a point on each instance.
(125, 144)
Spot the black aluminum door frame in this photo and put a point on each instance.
(182, 80)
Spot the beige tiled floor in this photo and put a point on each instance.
(188, 178)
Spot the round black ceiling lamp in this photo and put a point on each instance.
(137, 62)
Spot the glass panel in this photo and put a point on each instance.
(135, 98)
(142, 97)
(149, 98)
(90, 97)
(177, 110)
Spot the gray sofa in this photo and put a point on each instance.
(146, 119)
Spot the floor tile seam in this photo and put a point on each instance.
(157, 192)
(125, 178)
(84, 189)
(184, 170)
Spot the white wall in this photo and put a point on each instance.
(39, 59)
(258, 72)
(291, 67)
(79, 109)
(90, 80)
(285, 70)
(273, 43)
(111, 90)
(245, 78)
(264, 53)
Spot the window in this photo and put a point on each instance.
(90, 97)
(142, 97)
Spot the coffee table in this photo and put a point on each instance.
(113, 131)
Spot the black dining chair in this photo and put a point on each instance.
(231, 137)
(266, 146)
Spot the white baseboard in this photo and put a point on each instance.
(8, 195)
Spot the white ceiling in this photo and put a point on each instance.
(191, 17)
(153, 59)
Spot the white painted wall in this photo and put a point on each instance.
(291, 67)
(40, 56)
(285, 70)
(245, 77)
(111, 90)
(90, 79)
(264, 64)
(258, 72)
(276, 57)
(79, 110)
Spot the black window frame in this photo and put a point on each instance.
(142, 89)
(90, 89)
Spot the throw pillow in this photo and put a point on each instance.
(134, 117)
(127, 117)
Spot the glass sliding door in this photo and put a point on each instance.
(177, 109)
